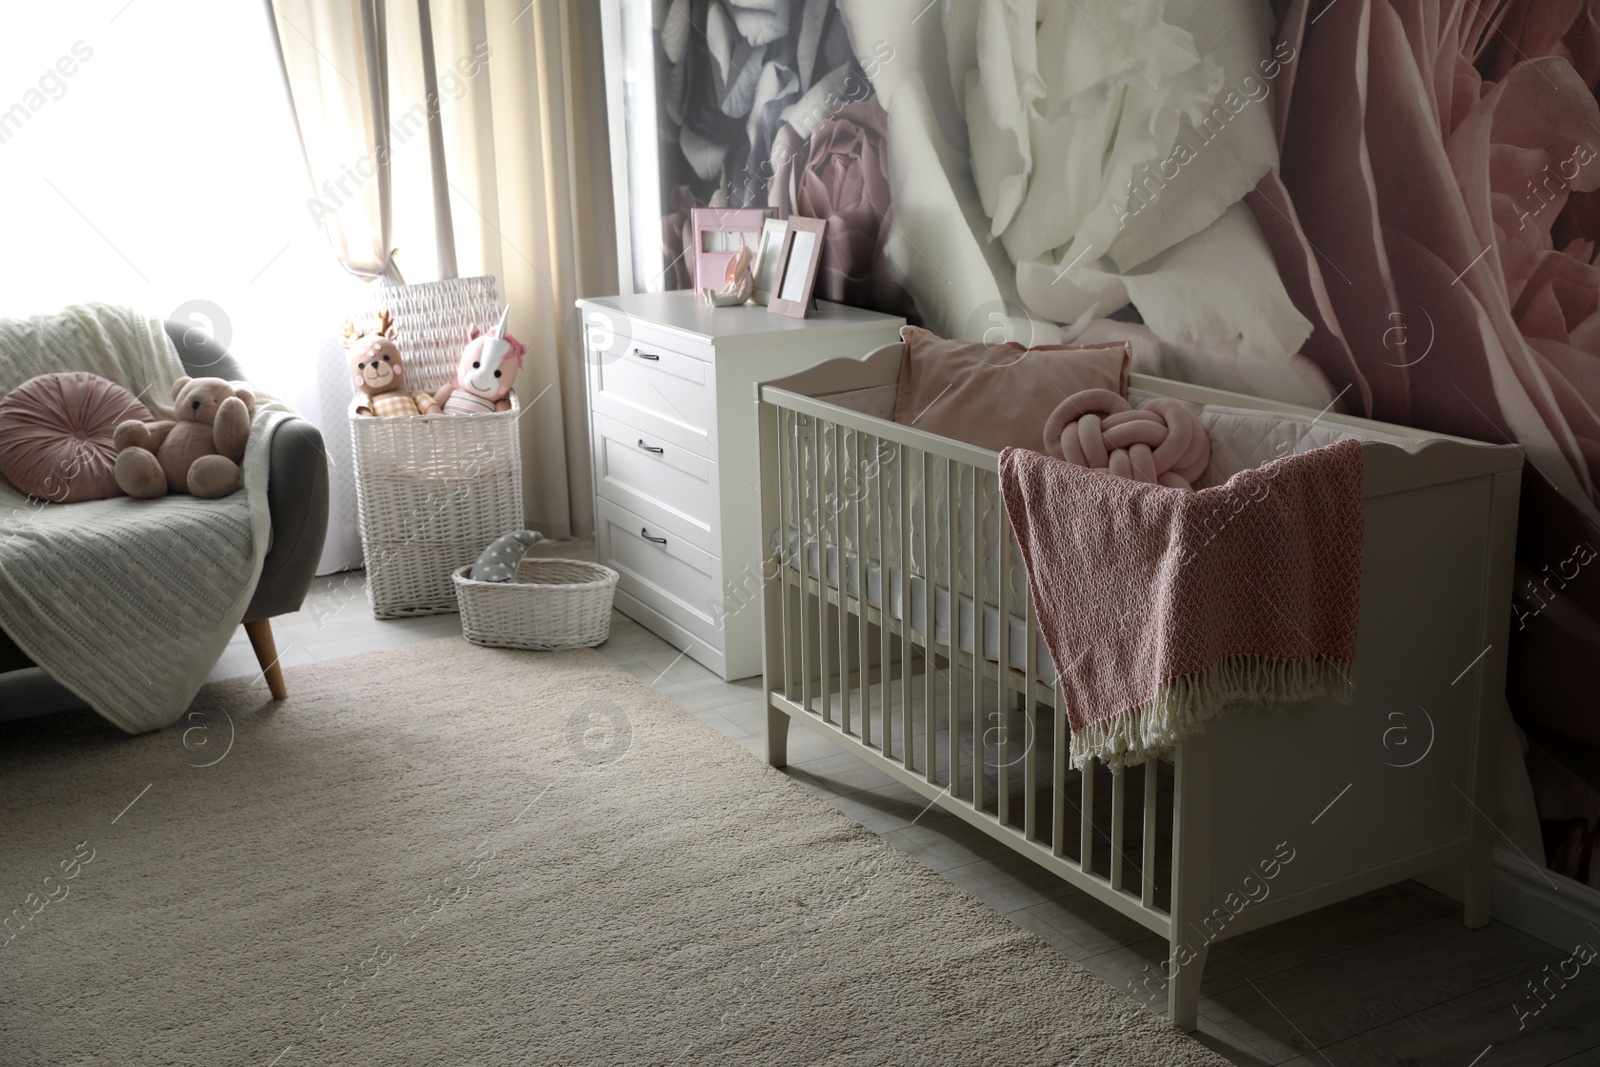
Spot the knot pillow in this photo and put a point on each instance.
(1161, 442)
(55, 435)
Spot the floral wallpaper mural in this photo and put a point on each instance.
(1387, 206)
(767, 104)
(1435, 214)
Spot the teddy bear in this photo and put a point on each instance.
(486, 373)
(197, 452)
(376, 370)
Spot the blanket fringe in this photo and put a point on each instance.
(1182, 706)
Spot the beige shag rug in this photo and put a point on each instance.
(453, 855)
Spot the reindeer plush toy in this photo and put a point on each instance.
(376, 371)
(488, 369)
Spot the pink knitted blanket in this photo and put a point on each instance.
(1165, 608)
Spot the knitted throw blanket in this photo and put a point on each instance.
(128, 603)
(1164, 608)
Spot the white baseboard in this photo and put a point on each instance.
(1552, 907)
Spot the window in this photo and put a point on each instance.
(147, 157)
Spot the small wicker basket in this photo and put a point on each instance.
(554, 603)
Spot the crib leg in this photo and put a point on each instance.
(1193, 804)
(777, 737)
(1495, 725)
(1480, 891)
(1479, 880)
(1183, 993)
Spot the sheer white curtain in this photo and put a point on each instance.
(147, 158)
(515, 121)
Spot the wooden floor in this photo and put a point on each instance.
(1388, 978)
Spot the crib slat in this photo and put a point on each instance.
(819, 455)
(883, 599)
(837, 503)
(1058, 781)
(785, 420)
(1030, 716)
(980, 599)
(1003, 665)
(1147, 871)
(1119, 783)
(905, 610)
(930, 615)
(1086, 820)
(802, 520)
(952, 734)
(863, 679)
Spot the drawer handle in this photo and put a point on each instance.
(644, 532)
(650, 448)
(647, 355)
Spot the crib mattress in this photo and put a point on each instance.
(915, 614)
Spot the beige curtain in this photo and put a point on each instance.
(334, 67)
(518, 102)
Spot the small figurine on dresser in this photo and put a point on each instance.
(376, 371)
(488, 369)
(737, 285)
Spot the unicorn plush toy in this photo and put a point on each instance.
(487, 370)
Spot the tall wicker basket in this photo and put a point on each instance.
(433, 490)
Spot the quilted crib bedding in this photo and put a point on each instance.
(872, 576)
(848, 475)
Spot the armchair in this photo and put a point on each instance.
(297, 499)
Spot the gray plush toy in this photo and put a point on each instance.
(499, 561)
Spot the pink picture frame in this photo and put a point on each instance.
(796, 277)
(717, 233)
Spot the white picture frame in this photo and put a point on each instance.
(767, 259)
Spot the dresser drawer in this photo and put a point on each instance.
(646, 468)
(657, 380)
(675, 578)
(653, 337)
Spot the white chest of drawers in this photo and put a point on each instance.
(672, 422)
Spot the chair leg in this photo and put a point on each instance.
(266, 649)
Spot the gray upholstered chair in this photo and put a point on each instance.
(297, 497)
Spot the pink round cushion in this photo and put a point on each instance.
(1161, 442)
(55, 435)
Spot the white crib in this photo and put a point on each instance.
(897, 624)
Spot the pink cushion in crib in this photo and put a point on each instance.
(997, 396)
(55, 435)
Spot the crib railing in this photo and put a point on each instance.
(877, 598)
